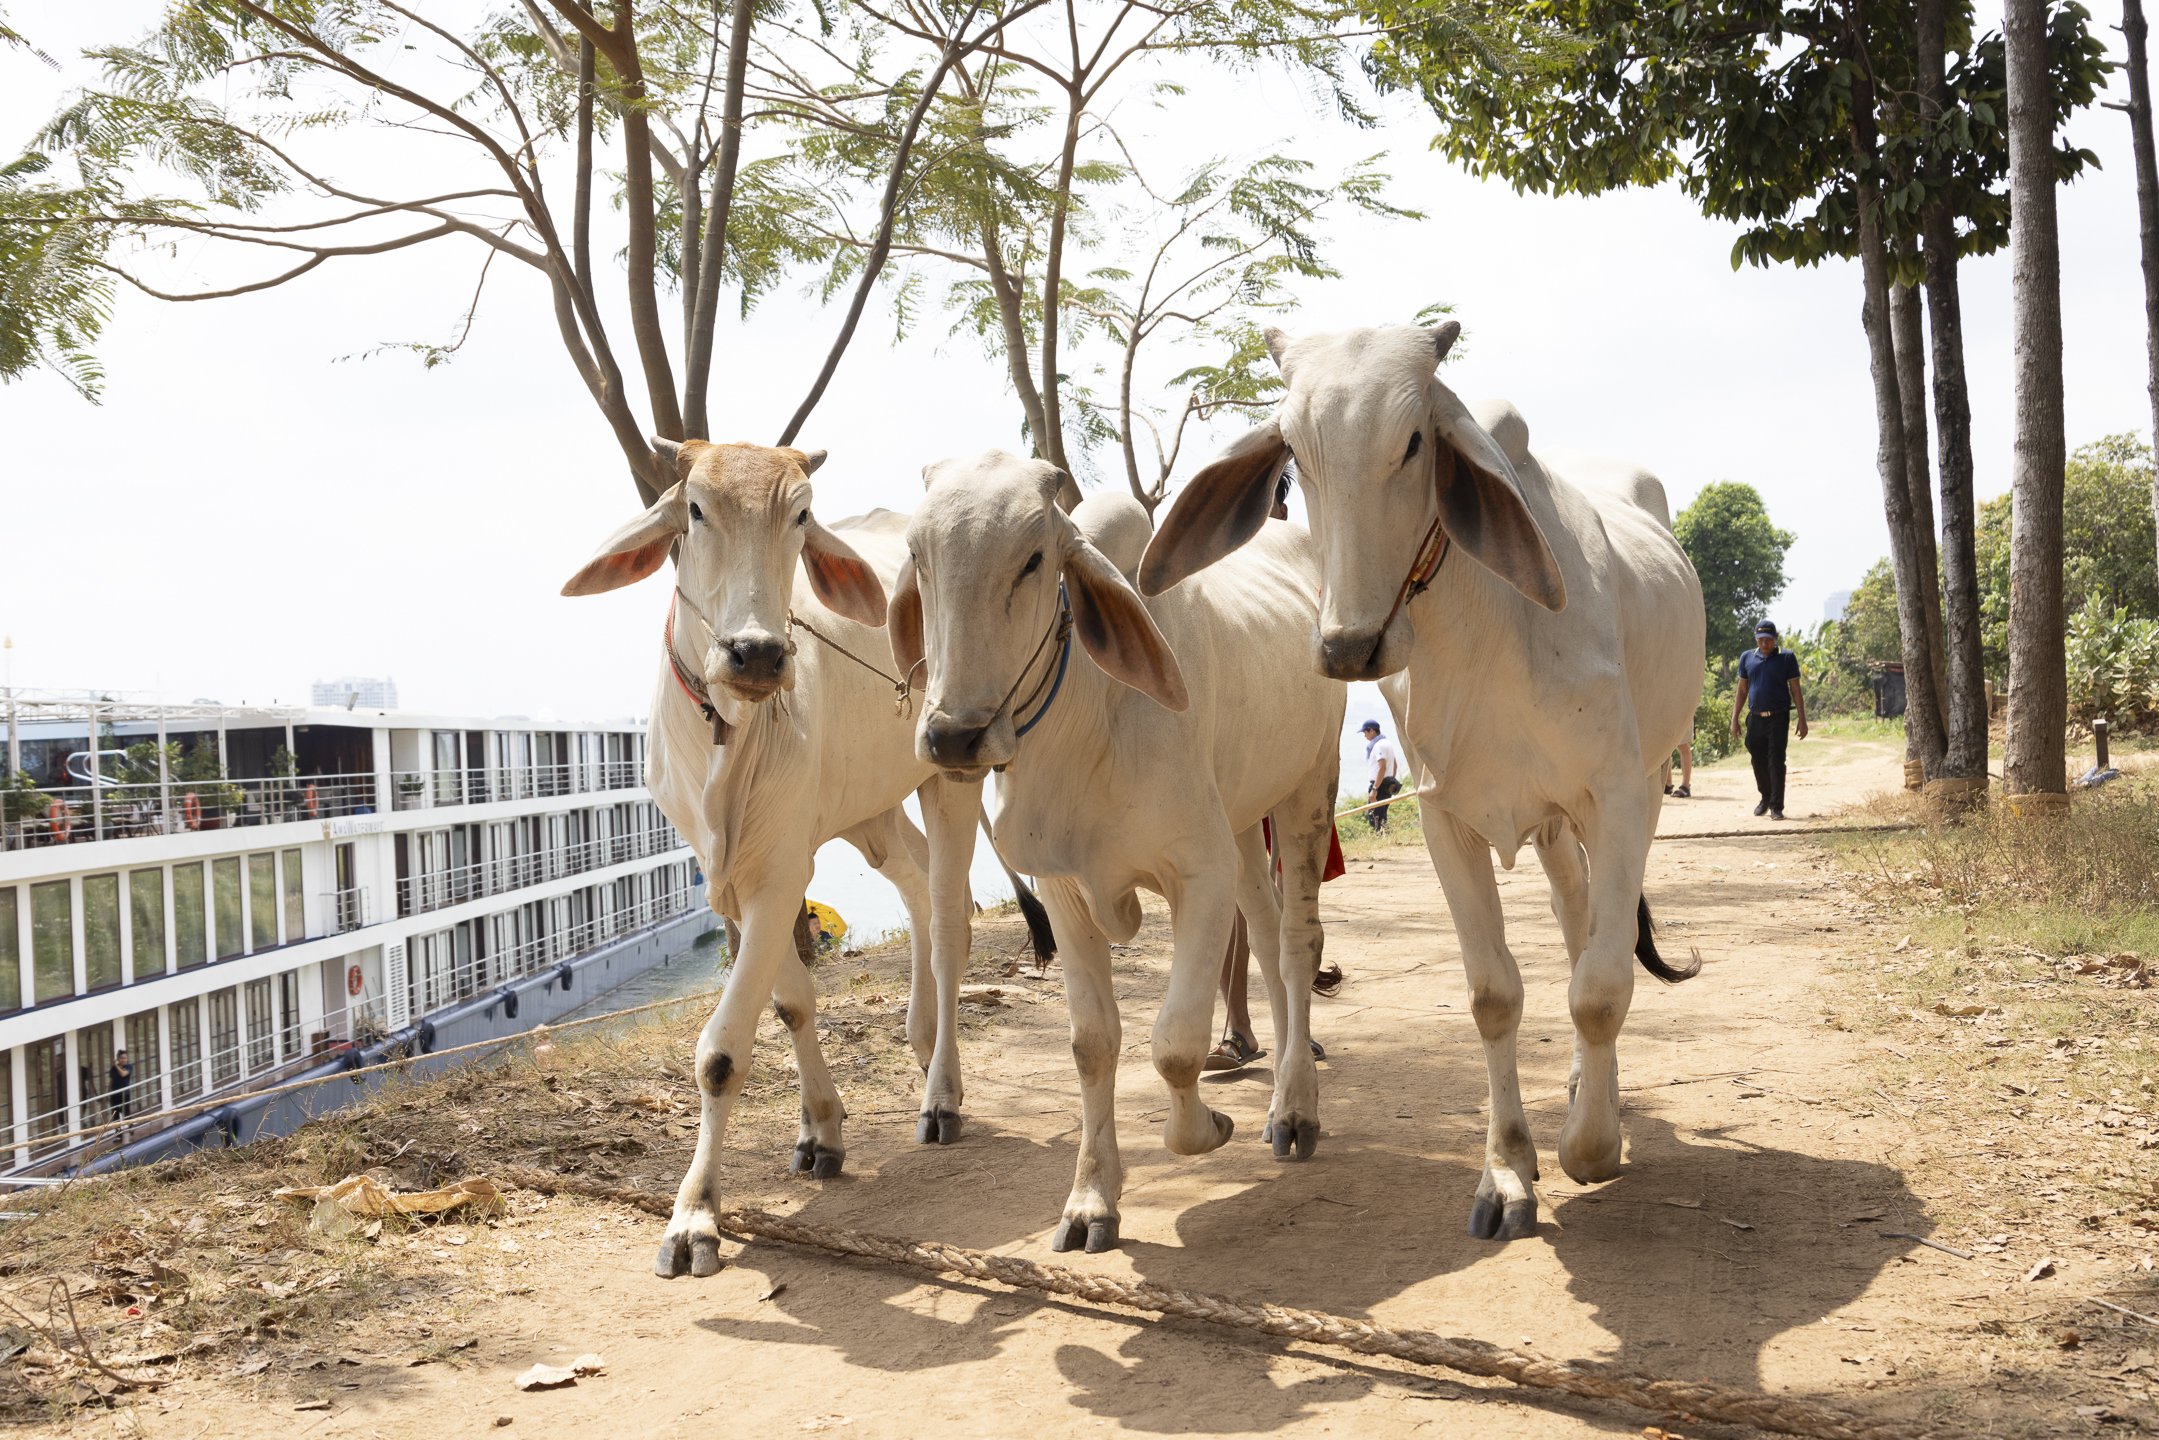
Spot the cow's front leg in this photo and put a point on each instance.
(1505, 1206)
(819, 1148)
(1200, 918)
(692, 1242)
(1602, 988)
(1090, 1214)
(950, 811)
(1303, 825)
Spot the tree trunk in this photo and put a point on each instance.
(1907, 542)
(1923, 742)
(642, 251)
(1964, 698)
(712, 257)
(2140, 140)
(1012, 317)
(1053, 449)
(581, 203)
(1965, 690)
(2033, 758)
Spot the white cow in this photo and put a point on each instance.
(1552, 667)
(1147, 758)
(764, 746)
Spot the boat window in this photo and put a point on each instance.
(146, 903)
(262, 901)
(190, 932)
(295, 899)
(100, 931)
(10, 951)
(52, 942)
(225, 890)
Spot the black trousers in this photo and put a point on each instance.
(1767, 737)
(1387, 789)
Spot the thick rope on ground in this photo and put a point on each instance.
(1698, 1399)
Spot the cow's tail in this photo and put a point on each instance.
(1645, 949)
(1039, 935)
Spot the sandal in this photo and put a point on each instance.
(1233, 1053)
(1684, 792)
(1319, 1051)
(1327, 981)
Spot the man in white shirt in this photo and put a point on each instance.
(1385, 761)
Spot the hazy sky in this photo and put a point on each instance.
(252, 507)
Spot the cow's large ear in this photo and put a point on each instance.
(1116, 629)
(904, 616)
(1481, 506)
(1218, 510)
(636, 550)
(843, 580)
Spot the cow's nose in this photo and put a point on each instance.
(956, 738)
(756, 659)
(1350, 654)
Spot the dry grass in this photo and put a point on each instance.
(2006, 969)
(122, 1284)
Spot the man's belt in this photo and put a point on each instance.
(1765, 714)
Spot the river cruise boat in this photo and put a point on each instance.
(238, 897)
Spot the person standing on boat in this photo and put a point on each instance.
(118, 1081)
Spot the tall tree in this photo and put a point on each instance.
(1035, 170)
(238, 99)
(1965, 718)
(2136, 34)
(1795, 120)
(1738, 554)
(2033, 759)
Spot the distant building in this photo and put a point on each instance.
(371, 693)
(1838, 600)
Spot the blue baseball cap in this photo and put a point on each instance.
(1369, 725)
(1765, 628)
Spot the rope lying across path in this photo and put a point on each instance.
(1422, 1347)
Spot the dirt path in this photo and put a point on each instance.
(1742, 1243)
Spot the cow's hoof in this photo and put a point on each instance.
(817, 1161)
(682, 1252)
(1293, 1139)
(1076, 1232)
(1490, 1220)
(937, 1127)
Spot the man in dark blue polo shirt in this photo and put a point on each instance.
(1768, 693)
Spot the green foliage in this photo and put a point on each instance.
(21, 800)
(1713, 739)
(1870, 632)
(2113, 662)
(1739, 556)
(1835, 683)
(1751, 109)
(2107, 542)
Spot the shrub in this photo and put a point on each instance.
(2113, 667)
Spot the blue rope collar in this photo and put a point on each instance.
(1063, 632)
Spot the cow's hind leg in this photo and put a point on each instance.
(1506, 1206)
(897, 851)
(819, 1148)
(1090, 1214)
(1200, 919)
(1602, 988)
(692, 1242)
(1566, 870)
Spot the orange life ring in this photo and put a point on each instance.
(191, 810)
(56, 816)
(310, 803)
(354, 981)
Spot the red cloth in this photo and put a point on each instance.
(1334, 869)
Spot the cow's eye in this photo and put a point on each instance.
(1416, 442)
(803, 518)
(1034, 563)
(696, 514)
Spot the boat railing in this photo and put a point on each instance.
(257, 1060)
(426, 789)
(347, 909)
(436, 890)
(117, 810)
